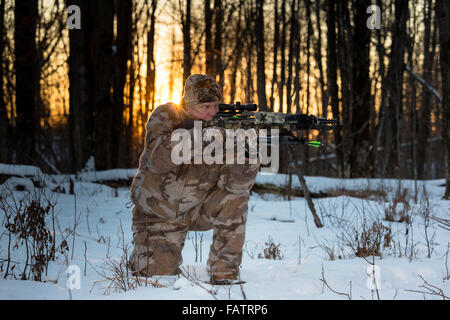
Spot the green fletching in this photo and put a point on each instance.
(315, 144)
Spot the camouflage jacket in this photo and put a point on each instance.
(169, 190)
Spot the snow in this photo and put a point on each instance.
(103, 212)
(116, 174)
(19, 170)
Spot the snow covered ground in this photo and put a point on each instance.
(310, 256)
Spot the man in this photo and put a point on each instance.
(171, 199)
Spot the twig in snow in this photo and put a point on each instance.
(432, 290)
(348, 295)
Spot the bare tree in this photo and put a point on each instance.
(237, 52)
(318, 58)
(209, 54)
(172, 64)
(101, 42)
(297, 82)
(412, 102)
(283, 54)
(276, 45)
(122, 44)
(97, 73)
(131, 88)
(27, 79)
(186, 30)
(151, 67)
(249, 14)
(424, 121)
(218, 34)
(5, 152)
(308, 77)
(80, 90)
(361, 91)
(332, 87)
(292, 39)
(394, 83)
(377, 137)
(261, 75)
(443, 16)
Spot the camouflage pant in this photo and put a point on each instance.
(158, 242)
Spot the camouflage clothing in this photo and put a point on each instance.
(201, 88)
(171, 200)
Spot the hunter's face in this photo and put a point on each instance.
(204, 111)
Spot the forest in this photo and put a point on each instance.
(360, 213)
(79, 78)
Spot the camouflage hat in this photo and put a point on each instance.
(200, 88)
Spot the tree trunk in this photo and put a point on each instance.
(102, 45)
(323, 91)
(319, 61)
(360, 109)
(308, 82)
(249, 18)
(130, 125)
(173, 67)
(424, 119)
(394, 82)
(283, 55)
(332, 87)
(276, 45)
(186, 30)
(377, 138)
(208, 39)
(297, 82)
(237, 55)
(443, 16)
(218, 17)
(27, 77)
(151, 68)
(292, 39)
(5, 152)
(81, 121)
(413, 114)
(121, 57)
(261, 75)
(308, 58)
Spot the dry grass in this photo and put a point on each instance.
(118, 276)
(399, 209)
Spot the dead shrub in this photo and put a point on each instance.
(271, 251)
(399, 209)
(25, 221)
(369, 240)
